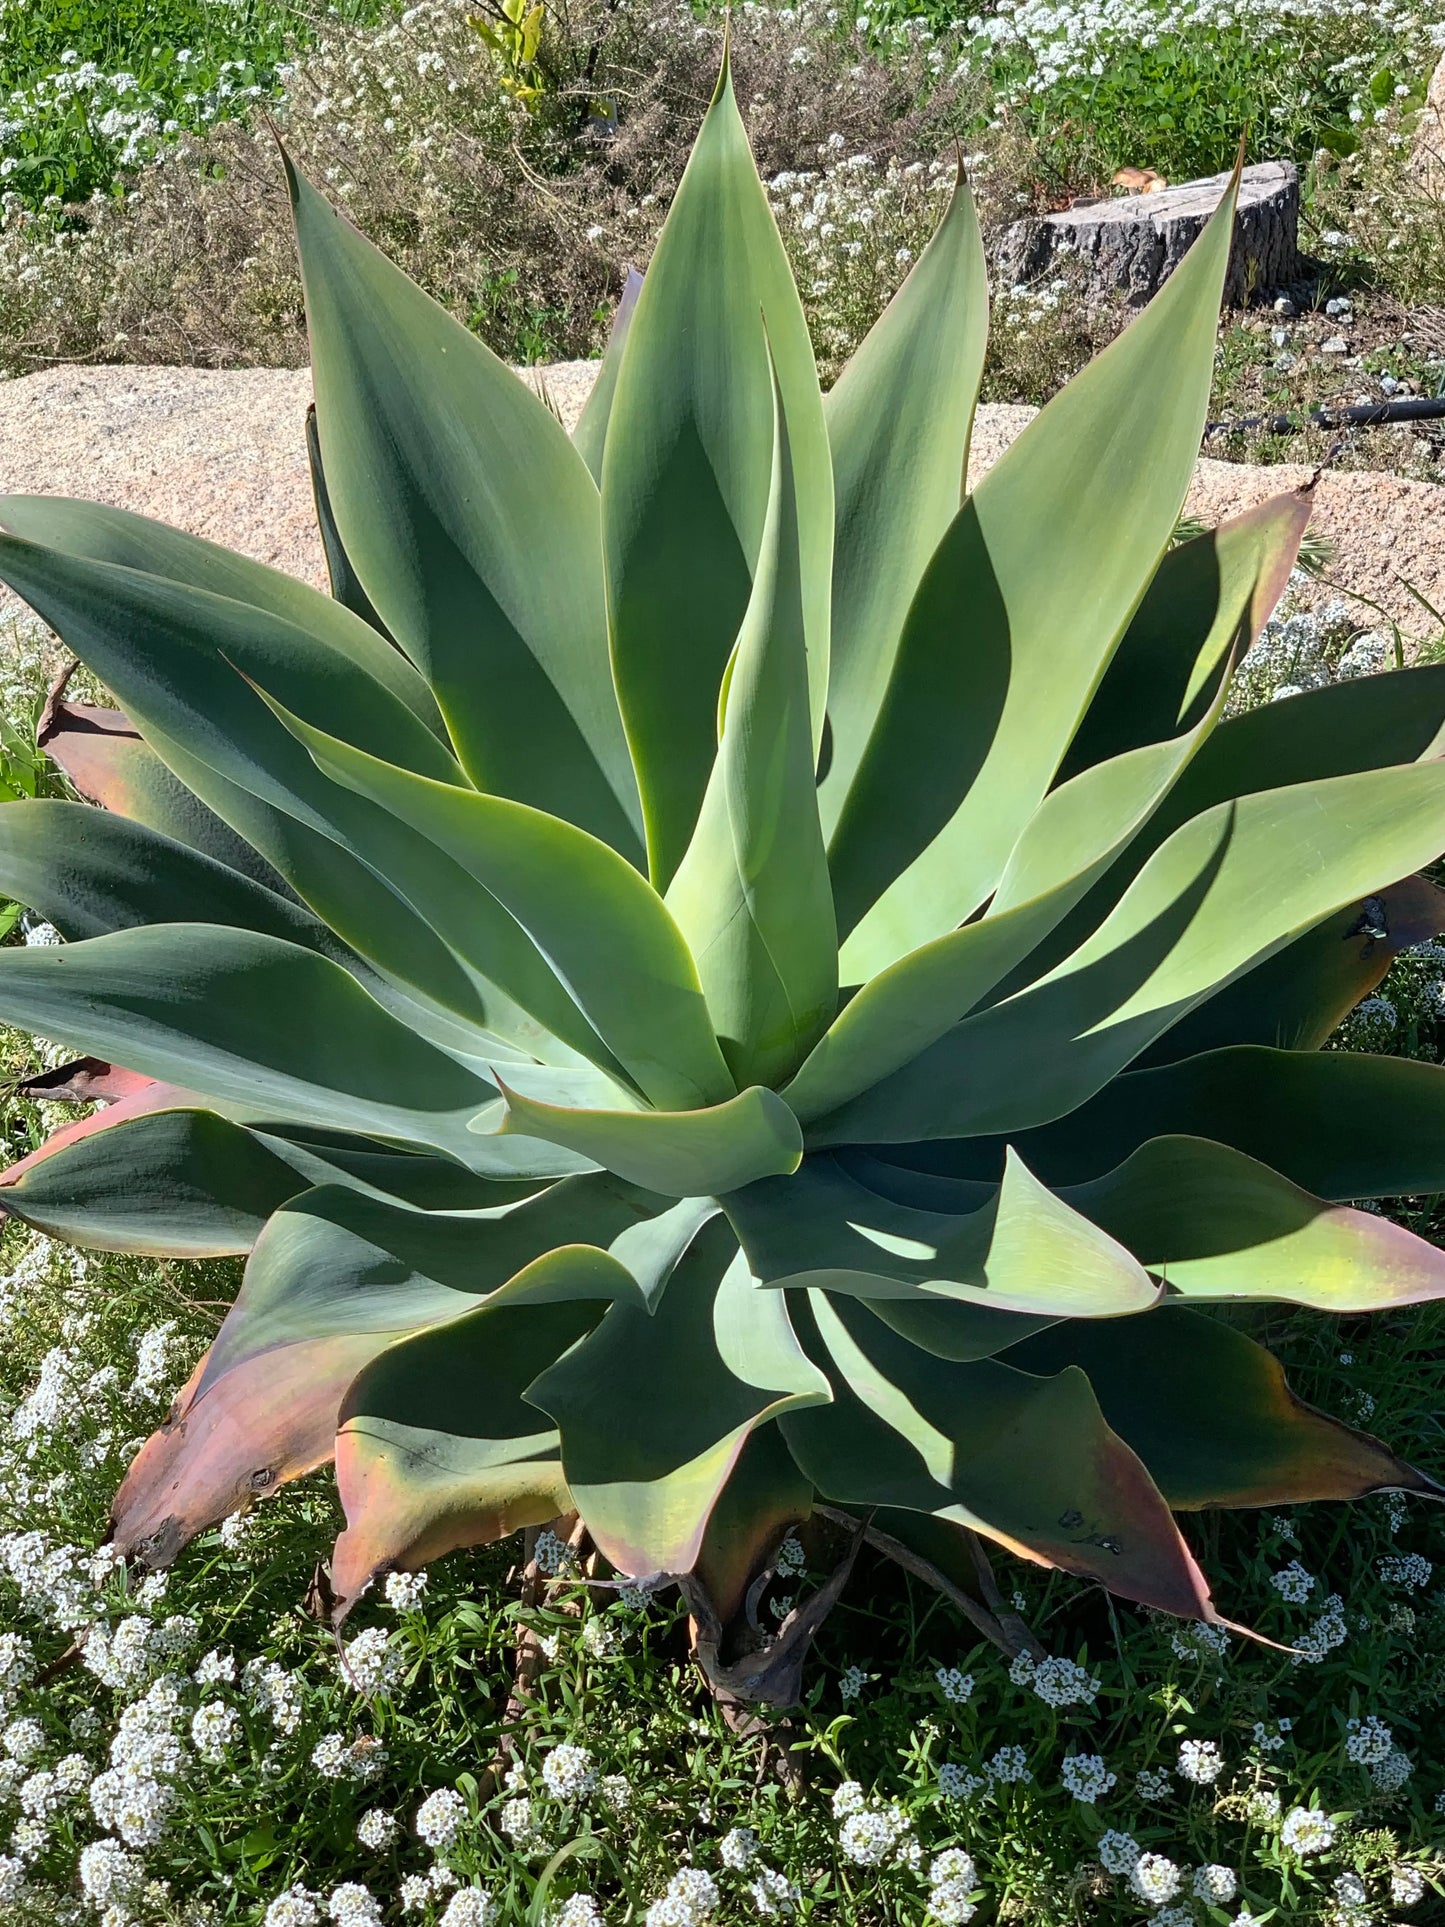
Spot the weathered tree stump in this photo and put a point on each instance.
(1131, 243)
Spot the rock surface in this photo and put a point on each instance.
(222, 454)
(1133, 242)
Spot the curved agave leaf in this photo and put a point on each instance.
(1208, 602)
(1210, 1413)
(334, 1280)
(1071, 840)
(682, 1154)
(1024, 1251)
(999, 657)
(1337, 1123)
(89, 873)
(752, 894)
(472, 524)
(1214, 1223)
(600, 926)
(172, 1183)
(345, 583)
(685, 473)
(898, 419)
(261, 1024)
(1029, 1462)
(1299, 997)
(589, 437)
(106, 761)
(1223, 892)
(715, 1359)
(96, 532)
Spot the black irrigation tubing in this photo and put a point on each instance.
(1365, 415)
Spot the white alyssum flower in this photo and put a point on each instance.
(955, 1782)
(691, 1899)
(1057, 1682)
(1369, 1740)
(405, 1590)
(1391, 1773)
(552, 1555)
(1407, 1886)
(851, 1682)
(353, 1905)
(848, 1798)
(377, 1829)
(738, 1848)
(240, 1530)
(371, 1664)
(956, 1686)
(109, 1876)
(415, 1894)
(1405, 1569)
(1118, 1852)
(1155, 1878)
(790, 1557)
(297, 1907)
(25, 1740)
(1306, 1830)
(568, 1772)
(772, 1893)
(952, 1878)
(577, 1910)
(1200, 1761)
(871, 1835)
(216, 1669)
(440, 1818)
(1351, 1893)
(1293, 1583)
(273, 1691)
(470, 1907)
(1008, 1766)
(1215, 1885)
(601, 1637)
(1087, 1777)
(214, 1728)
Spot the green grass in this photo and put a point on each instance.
(94, 89)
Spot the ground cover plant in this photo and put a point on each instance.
(683, 1214)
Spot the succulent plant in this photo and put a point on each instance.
(720, 970)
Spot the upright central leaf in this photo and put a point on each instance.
(752, 895)
(685, 473)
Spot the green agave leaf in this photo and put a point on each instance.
(1225, 891)
(599, 925)
(89, 872)
(681, 1154)
(752, 895)
(175, 661)
(1029, 1462)
(336, 1278)
(95, 532)
(1212, 1416)
(258, 1023)
(589, 437)
(715, 1358)
(345, 583)
(1213, 1223)
(1208, 602)
(1299, 997)
(1342, 730)
(999, 657)
(1340, 1124)
(106, 761)
(1024, 1251)
(472, 524)
(170, 1183)
(685, 474)
(1069, 842)
(898, 420)
(437, 1448)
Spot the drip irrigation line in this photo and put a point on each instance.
(1379, 414)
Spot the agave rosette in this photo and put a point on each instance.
(720, 968)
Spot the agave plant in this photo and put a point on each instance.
(721, 972)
